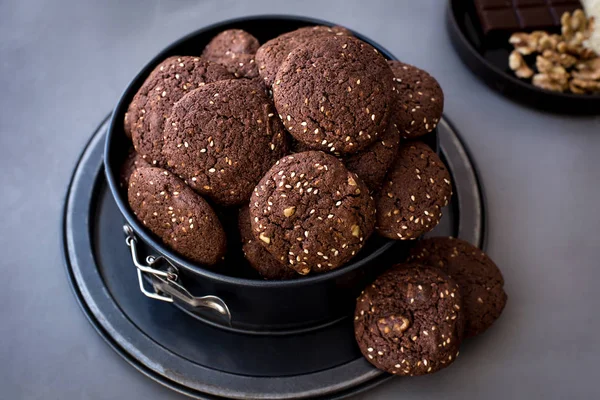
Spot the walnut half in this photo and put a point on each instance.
(519, 66)
(544, 81)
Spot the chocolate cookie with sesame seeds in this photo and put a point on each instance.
(414, 191)
(372, 163)
(335, 94)
(235, 49)
(410, 321)
(480, 281)
(257, 256)
(177, 215)
(152, 104)
(271, 55)
(311, 213)
(222, 138)
(132, 162)
(419, 102)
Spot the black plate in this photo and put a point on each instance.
(194, 358)
(489, 61)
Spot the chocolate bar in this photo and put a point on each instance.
(522, 15)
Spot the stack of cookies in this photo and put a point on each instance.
(311, 136)
(312, 139)
(414, 317)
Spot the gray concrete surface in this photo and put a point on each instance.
(62, 67)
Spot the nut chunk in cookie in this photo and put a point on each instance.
(222, 138)
(410, 321)
(311, 213)
(176, 214)
(335, 94)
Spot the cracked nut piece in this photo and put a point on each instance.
(548, 42)
(564, 60)
(583, 53)
(586, 86)
(394, 325)
(526, 43)
(519, 66)
(556, 72)
(572, 24)
(575, 89)
(588, 71)
(544, 81)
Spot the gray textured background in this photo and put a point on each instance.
(62, 67)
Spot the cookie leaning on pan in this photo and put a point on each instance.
(414, 191)
(480, 281)
(178, 216)
(152, 104)
(419, 100)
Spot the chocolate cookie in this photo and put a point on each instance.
(372, 163)
(335, 94)
(222, 138)
(271, 55)
(235, 49)
(258, 257)
(177, 215)
(415, 189)
(311, 212)
(420, 100)
(152, 104)
(132, 162)
(410, 321)
(480, 281)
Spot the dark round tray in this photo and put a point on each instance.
(197, 359)
(489, 61)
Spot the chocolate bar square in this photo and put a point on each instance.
(498, 19)
(491, 4)
(529, 3)
(533, 18)
(575, 3)
(509, 16)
